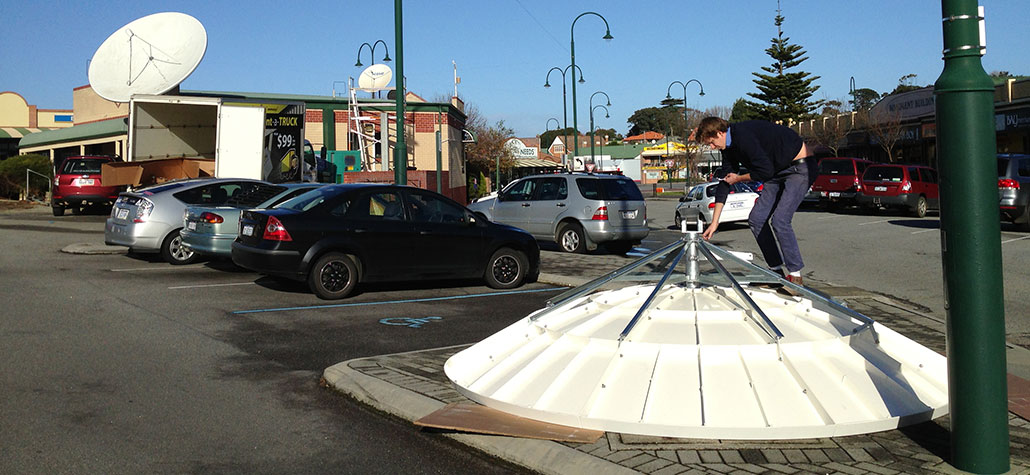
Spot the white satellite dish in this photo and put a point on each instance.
(150, 55)
(375, 77)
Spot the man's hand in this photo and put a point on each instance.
(710, 231)
(731, 178)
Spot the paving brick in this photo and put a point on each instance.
(750, 468)
(795, 456)
(837, 455)
(638, 460)
(875, 468)
(816, 456)
(669, 455)
(843, 468)
(774, 456)
(860, 455)
(688, 456)
(781, 468)
(653, 465)
(731, 456)
(710, 456)
(621, 455)
(880, 454)
(672, 469)
(753, 456)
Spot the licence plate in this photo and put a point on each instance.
(122, 213)
(629, 214)
(879, 188)
(834, 194)
(84, 181)
(192, 225)
(248, 230)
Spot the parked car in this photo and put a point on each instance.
(77, 184)
(576, 210)
(700, 201)
(337, 236)
(1014, 189)
(210, 230)
(149, 219)
(911, 187)
(839, 181)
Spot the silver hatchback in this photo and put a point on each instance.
(149, 219)
(578, 211)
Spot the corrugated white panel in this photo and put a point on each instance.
(784, 400)
(729, 399)
(526, 386)
(572, 389)
(625, 384)
(675, 395)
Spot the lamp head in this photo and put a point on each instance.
(607, 35)
(547, 84)
(386, 59)
(358, 64)
(581, 80)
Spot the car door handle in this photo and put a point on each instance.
(525, 205)
(424, 232)
(561, 205)
(359, 230)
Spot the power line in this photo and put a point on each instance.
(559, 43)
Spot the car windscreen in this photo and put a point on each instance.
(609, 190)
(83, 165)
(310, 199)
(836, 167)
(883, 174)
(734, 188)
(251, 196)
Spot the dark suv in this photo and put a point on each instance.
(839, 180)
(77, 184)
(911, 187)
(1014, 189)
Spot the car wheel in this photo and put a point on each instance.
(570, 238)
(173, 251)
(506, 269)
(58, 210)
(920, 208)
(333, 276)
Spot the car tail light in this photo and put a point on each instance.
(275, 231)
(601, 214)
(211, 218)
(906, 187)
(143, 209)
(761, 187)
(711, 205)
(1008, 183)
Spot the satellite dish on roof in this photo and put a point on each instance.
(150, 55)
(375, 77)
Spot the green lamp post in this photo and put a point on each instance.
(400, 151)
(564, 106)
(572, 34)
(686, 133)
(971, 247)
(608, 102)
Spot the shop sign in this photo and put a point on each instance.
(520, 150)
(1017, 119)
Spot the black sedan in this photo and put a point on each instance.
(340, 235)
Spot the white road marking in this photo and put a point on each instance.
(140, 269)
(1016, 239)
(925, 231)
(209, 285)
(874, 222)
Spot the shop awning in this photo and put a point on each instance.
(535, 163)
(19, 132)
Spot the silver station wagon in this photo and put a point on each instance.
(577, 211)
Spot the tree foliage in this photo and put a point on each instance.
(12, 175)
(484, 155)
(864, 99)
(782, 93)
(743, 110)
(884, 127)
(905, 83)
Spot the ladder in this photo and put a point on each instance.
(355, 126)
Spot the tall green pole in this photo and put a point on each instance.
(400, 152)
(572, 45)
(971, 248)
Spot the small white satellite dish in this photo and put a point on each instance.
(375, 77)
(150, 55)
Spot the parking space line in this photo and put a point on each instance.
(209, 285)
(828, 217)
(1016, 239)
(389, 302)
(874, 222)
(924, 231)
(139, 269)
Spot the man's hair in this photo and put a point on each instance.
(710, 127)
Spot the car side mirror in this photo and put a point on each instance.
(500, 197)
(478, 219)
(683, 198)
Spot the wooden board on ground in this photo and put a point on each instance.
(467, 417)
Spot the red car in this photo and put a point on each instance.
(839, 180)
(77, 185)
(911, 187)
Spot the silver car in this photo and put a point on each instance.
(578, 211)
(149, 219)
(210, 230)
(700, 202)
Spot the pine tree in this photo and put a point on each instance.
(784, 94)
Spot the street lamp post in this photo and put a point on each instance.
(852, 92)
(668, 95)
(400, 151)
(572, 35)
(564, 106)
(592, 158)
(372, 53)
(547, 128)
(608, 103)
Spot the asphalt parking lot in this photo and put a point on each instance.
(123, 363)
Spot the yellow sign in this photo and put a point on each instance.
(676, 147)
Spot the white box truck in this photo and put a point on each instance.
(173, 137)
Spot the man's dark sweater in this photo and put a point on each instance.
(764, 148)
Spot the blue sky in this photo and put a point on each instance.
(504, 48)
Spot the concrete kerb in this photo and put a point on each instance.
(93, 249)
(540, 455)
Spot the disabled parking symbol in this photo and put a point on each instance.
(408, 322)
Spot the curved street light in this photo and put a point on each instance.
(572, 36)
(609, 103)
(564, 106)
(372, 52)
(592, 157)
(668, 95)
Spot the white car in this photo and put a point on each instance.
(700, 201)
